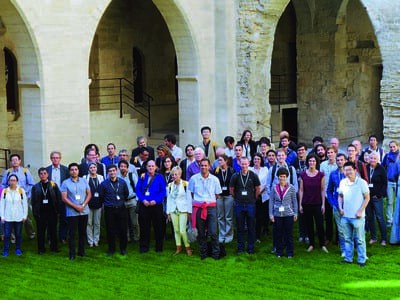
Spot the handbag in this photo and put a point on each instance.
(191, 232)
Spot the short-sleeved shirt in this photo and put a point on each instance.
(353, 195)
(76, 193)
(204, 189)
(245, 186)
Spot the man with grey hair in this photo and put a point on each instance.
(124, 155)
(141, 141)
(358, 146)
(194, 167)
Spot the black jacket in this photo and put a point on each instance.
(53, 196)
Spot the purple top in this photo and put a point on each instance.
(312, 188)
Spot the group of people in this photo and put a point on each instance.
(207, 191)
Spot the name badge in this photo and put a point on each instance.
(244, 193)
(147, 194)
(78, 197)
(224, 188)
(281, 208)
(96, 194)
(45, 201)
(371, 185)
(118, 197)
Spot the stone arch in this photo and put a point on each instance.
(256, 30)
(382, 17)
(16, 34)
(271, 13)
(186, 55)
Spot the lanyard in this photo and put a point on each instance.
(281, 192)
(371, 173)
(95, 182)
(43, 191)
(247, 178)
(224, 177)
(115, 189)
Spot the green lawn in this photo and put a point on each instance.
(162, 276)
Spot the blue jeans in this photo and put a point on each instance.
(354, 231)
(375, 210)
(391, 198)
(338, 218)
(246, 214)
(8, 229)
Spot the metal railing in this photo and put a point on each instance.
(118, 93)
(280, 92)
(4, 159)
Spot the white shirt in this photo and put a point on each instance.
(353, 195)
(14, 206)
(204, 189)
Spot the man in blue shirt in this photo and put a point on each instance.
(111, 158)
(151, 190)
(76, 195)
(113, 192)
(332, 194)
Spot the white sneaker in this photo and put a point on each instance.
(323, 248)
(343, 254)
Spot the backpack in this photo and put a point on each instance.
(130, 176)
(273, 175)
(23, 169)
(19, 190)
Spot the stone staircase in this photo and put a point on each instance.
(106, 127)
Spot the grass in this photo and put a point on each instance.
(163, 276)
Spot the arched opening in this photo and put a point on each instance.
(132, 67)
(20, 110)
(333, 55)
(11, 74)
(283, 91)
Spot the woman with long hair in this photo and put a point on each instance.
(312, 201)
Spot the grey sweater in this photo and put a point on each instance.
(289, 202)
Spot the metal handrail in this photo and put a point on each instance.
(122, 91)
(6, 153)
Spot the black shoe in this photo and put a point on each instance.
(41, 252)
(222, 250)
(362, 265)
(82, 254)
(346, 262)
(71, 257)
(239, 251)
(123, 252)
(203, 257)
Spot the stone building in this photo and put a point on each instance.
(313, 67)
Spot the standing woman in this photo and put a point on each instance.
(312, 200)
(179, 208)
(13, 212)
(283, 213)
(249, 146)
(224, 202)
(166, 167)
(95, 205)
(262, 201)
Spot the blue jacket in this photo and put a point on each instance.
(334, 180)
(389, 163)
(157, 190)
